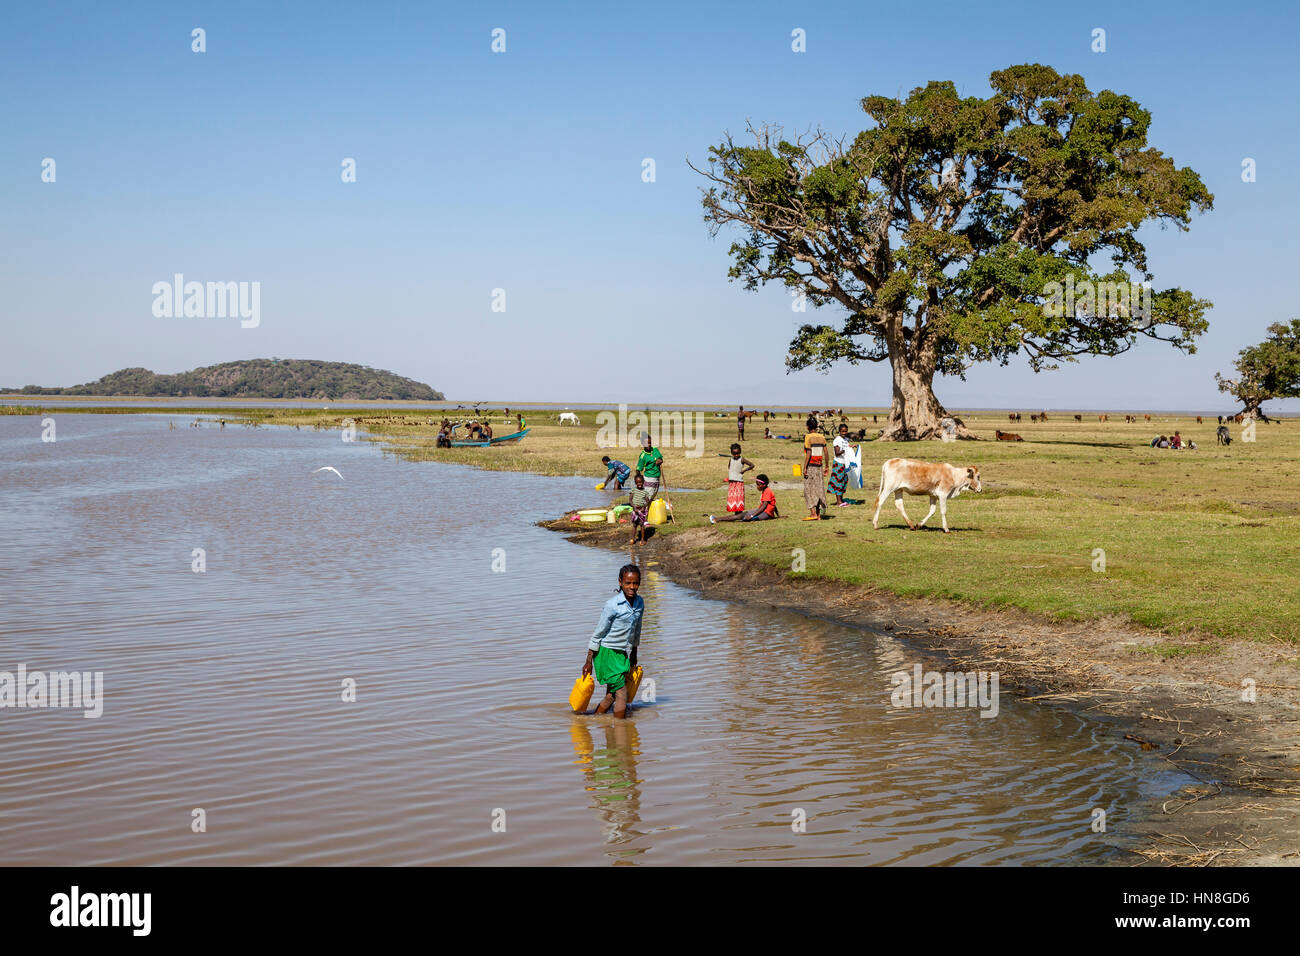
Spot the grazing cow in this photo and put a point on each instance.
(1012, 418)
(1222, 437)
(1006, 436)
(1198, 419)
(1237, 419)
(1042, 416)
(940, 482)
(1078, 418)
(1103, 418)
(1148, 417)
(569, 418)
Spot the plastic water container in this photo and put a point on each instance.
(798, 470)
(633, 682)
(658, 512)
(580, 696)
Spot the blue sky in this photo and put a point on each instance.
(522, 171)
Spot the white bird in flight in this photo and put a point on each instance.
(328, 468)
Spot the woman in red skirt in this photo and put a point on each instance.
(736, 468)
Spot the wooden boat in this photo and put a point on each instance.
(503, 440)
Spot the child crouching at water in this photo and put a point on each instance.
(611, 653)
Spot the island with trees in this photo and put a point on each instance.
(256, 378)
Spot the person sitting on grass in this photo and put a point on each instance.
(1176, 441)
(611, 652)
(639, 499)
(618, 472)
(765, 511)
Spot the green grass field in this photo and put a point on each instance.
(1204, 540)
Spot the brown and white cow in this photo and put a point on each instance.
(940, 482)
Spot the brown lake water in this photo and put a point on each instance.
(223, 690)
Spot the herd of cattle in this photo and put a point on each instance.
(1013, 417)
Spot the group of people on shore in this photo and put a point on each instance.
(816, 459)
(1174, 441)
(613, 646)
(647, 480)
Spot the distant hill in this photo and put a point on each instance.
(257, 378)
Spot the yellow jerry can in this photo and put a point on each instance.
(580, 696)
(658, 512)
(633, 682)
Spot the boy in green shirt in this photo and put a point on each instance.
(650, 466)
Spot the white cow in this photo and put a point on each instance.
(940, 482)
(569, 418)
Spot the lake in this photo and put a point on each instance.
(226, 690)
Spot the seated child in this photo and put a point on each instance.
(765, 511)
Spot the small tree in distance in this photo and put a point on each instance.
(948, 231)
(1266, 371)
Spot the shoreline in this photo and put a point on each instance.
(1167, 690)
(1245, 811)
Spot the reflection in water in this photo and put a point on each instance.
(610, 772)
(222, 688)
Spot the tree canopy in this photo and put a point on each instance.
(956, 230)
(1268, 370)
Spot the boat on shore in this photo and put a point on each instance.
(503, 440)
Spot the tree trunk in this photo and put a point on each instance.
(1253, 410)
(915, 413)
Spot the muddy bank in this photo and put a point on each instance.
(1159, 693)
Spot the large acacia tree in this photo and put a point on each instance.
(940, 230)
(1266, 371)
